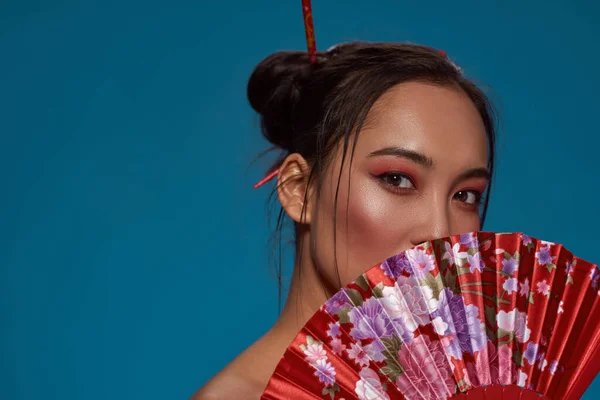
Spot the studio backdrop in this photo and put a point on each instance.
(134, 253)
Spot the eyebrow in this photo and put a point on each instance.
(472, 173)
(412, 155)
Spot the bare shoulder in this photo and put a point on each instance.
(246, 377)
(228, 384)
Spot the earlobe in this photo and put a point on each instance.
(292, 185)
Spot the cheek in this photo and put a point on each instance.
(378, 226)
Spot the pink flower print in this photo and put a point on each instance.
(543, 363)
(420, 262)
(325, 372)
(357, 354)
(427, 372)
(404, 301)
(524, 291)
(314, 352)
(369, 386)
(439, 325)
(521, 379)
(510, 285)
(543, 288)
(507, 369)
(560, 307)
(595, 275)
(492, 366)
(448, 254)
(452, 253)
(514, 321)
(337, 346)
(553, 367)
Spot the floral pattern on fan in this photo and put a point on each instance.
(471, 310)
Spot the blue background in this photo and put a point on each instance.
(132, 246)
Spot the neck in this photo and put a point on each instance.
(305, 296)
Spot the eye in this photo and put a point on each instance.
(396, 180)
(470, 197)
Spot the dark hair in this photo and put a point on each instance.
(312, 108)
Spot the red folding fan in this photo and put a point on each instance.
(475, 316)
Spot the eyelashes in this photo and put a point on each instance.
(397, 181)
(469, 197)
(400, 182)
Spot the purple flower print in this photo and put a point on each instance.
(568, 265)
(465, 331)
(595, 275)
(394, 266)
(375, 351)
(511, 285)
(475, 262)
(526, 239)
(334, 330)
(325, 372)
(337, 302)
(370, 321)
(469, 240)
(544, 257)
(530, 354)
(510, 266)
(553, 366)
(475, 339)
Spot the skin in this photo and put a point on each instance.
(419, 168)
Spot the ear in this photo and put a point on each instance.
(292, 185)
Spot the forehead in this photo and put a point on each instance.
(438, 121)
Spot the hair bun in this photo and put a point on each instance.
(274, 89)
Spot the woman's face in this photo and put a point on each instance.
(418, 173)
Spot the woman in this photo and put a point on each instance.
(387, 146)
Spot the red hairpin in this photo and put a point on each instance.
(309, 29)
(266, 179)
(311, 43)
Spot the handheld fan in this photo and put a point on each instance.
(476, 316)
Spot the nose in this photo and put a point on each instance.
(433, 223)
